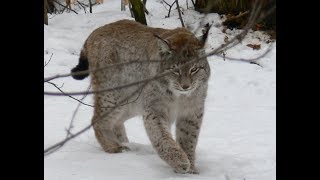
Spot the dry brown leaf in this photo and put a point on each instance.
(254, 46)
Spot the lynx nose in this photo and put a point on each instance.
(185, 86)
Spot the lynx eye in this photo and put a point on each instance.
(194, 70)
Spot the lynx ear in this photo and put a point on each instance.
(205, 32)
(164, 46)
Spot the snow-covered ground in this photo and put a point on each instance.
(238, 136)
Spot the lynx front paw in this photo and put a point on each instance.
(182, 168)
(182, 165)
(193, 170)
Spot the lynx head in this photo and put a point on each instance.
(180, 48)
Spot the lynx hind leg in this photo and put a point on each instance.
(104, 130)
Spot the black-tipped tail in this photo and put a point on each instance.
(82, 66)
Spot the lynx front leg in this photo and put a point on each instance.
(120, 132)
(157, 127)
(187, 132)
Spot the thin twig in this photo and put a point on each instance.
(59, 144)
(193, 3)
(70, 125)
(90, 105)
(250, 60)
(83, 6)
(179, 12)
(80, 101)
(46, 63)
(64, 6)
(166, 2)
(90, 6)
(100, 69)
(170, 6)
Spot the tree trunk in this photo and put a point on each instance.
(138, 11)
(45, 9)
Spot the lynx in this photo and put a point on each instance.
(178, 97)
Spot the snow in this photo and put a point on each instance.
(238, 136)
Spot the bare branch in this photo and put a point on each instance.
(102, 68)
(69, 95)
(167, 3)
(179, 12)
(90, 5)
(65, 6)
(251, 60)
(46, 63)
(90, 105)
(192, 3)
(170, 6)
(70, 125)
(59, 144)
(83, 6)
(75, 112)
